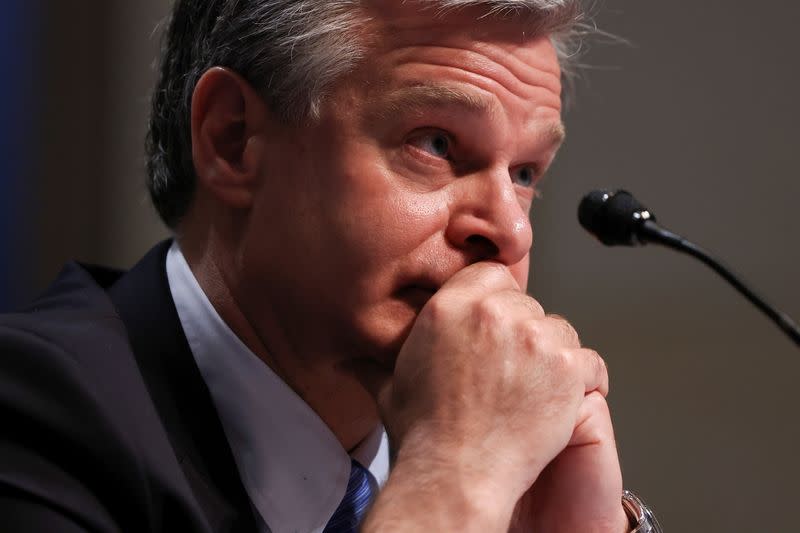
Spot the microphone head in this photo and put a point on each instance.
(613, 217)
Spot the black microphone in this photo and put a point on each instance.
(617, 218)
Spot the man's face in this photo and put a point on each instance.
(424, 161)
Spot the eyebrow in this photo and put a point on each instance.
(421, 96)
(426, 95)
(556, 133)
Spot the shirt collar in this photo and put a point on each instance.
(292, 466)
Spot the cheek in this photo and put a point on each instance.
(383, 220)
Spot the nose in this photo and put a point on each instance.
(487, 220)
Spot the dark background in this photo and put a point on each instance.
(698, 116)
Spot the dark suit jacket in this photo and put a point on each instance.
(105, 422)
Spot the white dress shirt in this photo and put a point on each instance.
(292, 466)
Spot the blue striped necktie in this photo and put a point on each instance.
(361, 490)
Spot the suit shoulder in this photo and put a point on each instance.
(82, 432)
(71, 333)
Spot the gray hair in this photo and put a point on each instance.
(291, 51)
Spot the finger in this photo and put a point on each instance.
(593, 370)
(482, 278)
(517, 305)
(593, 423)
(563, 331)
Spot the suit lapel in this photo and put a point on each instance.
(144, 302)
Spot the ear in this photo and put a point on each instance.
(228, 119)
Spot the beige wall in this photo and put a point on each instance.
(699, 117)
(90, 196)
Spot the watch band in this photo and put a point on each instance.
(641, 517)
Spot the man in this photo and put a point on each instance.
(349, 183)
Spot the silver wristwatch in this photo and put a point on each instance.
(641, 517)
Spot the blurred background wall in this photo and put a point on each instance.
(698, 116)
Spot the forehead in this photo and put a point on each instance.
(500, 61)
(393, 22)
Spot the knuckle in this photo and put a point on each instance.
(561, 365)
(535, 307)
(599, 368)
(530, 334)
(568, 363)
(599, 362)
(566, 330)
(435, 310)
(489, 310)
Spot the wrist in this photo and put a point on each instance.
(482, 475)
(625, 523)
(463, 499)
(436, 488)
(641, 518)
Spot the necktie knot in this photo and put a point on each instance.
(361, 490)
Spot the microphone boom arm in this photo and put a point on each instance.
(650, 231)
(617, 218)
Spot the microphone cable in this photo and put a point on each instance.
(617, 218)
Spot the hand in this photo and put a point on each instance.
(581, 489)
(487, 391)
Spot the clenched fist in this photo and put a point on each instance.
(498, 418)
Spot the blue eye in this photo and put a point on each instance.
(437, 144)
(525, 176)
